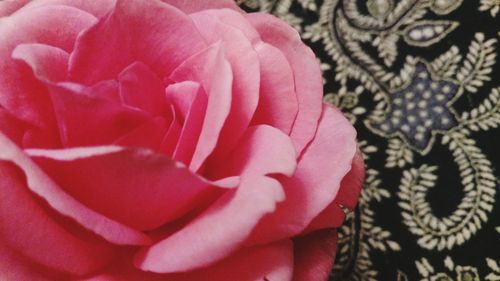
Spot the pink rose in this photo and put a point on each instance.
(175, 140)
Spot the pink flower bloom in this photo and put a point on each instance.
(175, 140)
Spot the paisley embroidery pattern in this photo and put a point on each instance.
(452, 272)
(420, 80)
(492, 5)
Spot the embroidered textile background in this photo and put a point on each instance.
(420, 80)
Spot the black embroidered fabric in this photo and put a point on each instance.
(420, 80)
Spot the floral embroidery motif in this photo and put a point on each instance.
(420, 109)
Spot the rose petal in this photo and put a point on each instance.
(237, 20)
(133, 186)
(105, 89)
(141, 88)
(314, 255)
(12, 127)
(277, 105)
(14, 266)
(85, 120)
(171, 138)
(96, 8)
(199, 5)
(181, 95)
(272, 261)
(55, 25)
(190, 99)
(149, 135)
(40, 184)
(352, 182)
(347, 197)
(167, 37)
(216, 232)
(22, 94)
(126, 272)
(306, 71)
(262, 150)
(33, 229)
(8, 7)
(211, 69)
(41, 137)
(315, 183)
(47, 62)
(246, 77)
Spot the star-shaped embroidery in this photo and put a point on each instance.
(420, 108)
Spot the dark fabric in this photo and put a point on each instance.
(420, 80)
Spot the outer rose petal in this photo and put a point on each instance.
(40, 184)
(133, 186)
(215, 233)
(244, 60)
(97, 8)
(352, 182)
(272, 261)
(308, 81)
(7, 7)
(314, 255)
(314, 185)
(333, 215)
(277, 99)
(189, 6)
(278, 104)
(262, 150)
(33, 229)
